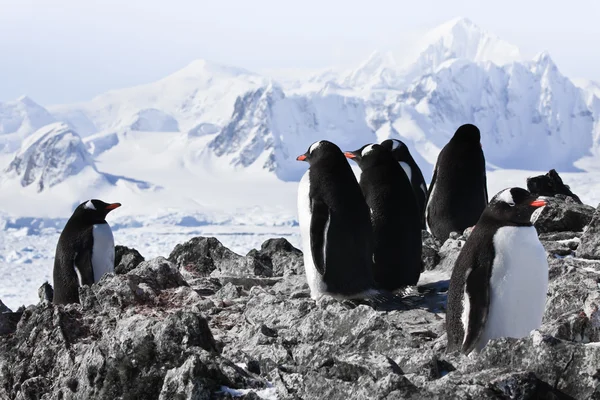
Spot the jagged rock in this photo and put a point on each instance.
(126, 259)
(430, 253)
(150, 333)
(590, 241)
(551, 185)
(562, 214)
(9, 321)
(203, 256)
(136, 335)
(279, 256)
(449, 253)
(46, 293)
(3, 308)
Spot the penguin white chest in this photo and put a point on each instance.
(518, 284)
(313, 277)
(103, 251)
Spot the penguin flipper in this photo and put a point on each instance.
(319, 227)
(478, 292)
(84, 268)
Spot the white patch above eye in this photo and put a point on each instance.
(396, 144)
(89, 205)
(366, 150)
(506, 197)
(314, 146)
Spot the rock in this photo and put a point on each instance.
(551, 185)
(449, 253)
(136, 335)
(221, 331)
(430, 251)
(3, 308)
(590, 241)
(203, 256)
(562, 214)
(46, 293)
(280, 257)
(9, 321)
(126, 259)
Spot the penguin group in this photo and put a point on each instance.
(364, 237)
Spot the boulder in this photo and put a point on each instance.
(590, 241)
(562, 214)
(126, 259)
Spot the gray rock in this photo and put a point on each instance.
(46, 293)
(161, 331)
(430, 253)
(590, 241)
(126, 259)
(3, 308)
(280, 257)
(562, 214)
(201, 256)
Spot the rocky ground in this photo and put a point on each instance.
(207, 323)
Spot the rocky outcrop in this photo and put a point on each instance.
(562, 214)
(209, 323)
(590, 241)
(126, 259)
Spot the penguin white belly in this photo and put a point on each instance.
(103, 251)
(313, 277)
(407, 170)
(518, 285)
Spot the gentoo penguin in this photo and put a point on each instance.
(335, 225)
(458, 191)
(500, 278)
(85, 250)
(415, 176)
(395, 217)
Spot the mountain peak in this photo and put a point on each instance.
(206, 68)
(49, 156)
(461, 38)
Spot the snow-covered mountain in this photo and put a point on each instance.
(231, 122)
(49, 156)
(18, 119)
(200, 92)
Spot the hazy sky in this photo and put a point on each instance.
(60, 51)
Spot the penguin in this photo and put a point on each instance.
(85, 250)
(413, 172)
(335, 226)
(395, 217)
(500, 279)
(458, 190)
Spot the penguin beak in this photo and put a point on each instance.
(538, 203)
(349, 155)
(301, 157)
(113, 206)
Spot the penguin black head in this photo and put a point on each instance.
(321, 150)
(514, 205)
(368, 155)
(467, 133)
(398, 149)
(94, 211)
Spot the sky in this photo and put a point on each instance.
(64, 51)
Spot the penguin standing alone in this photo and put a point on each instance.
(413, 172)
(85, 250)
(500, 279)
(395, 217)
(335, 226)
(458, 190)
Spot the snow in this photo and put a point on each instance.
(211, 149)
(269, 393)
